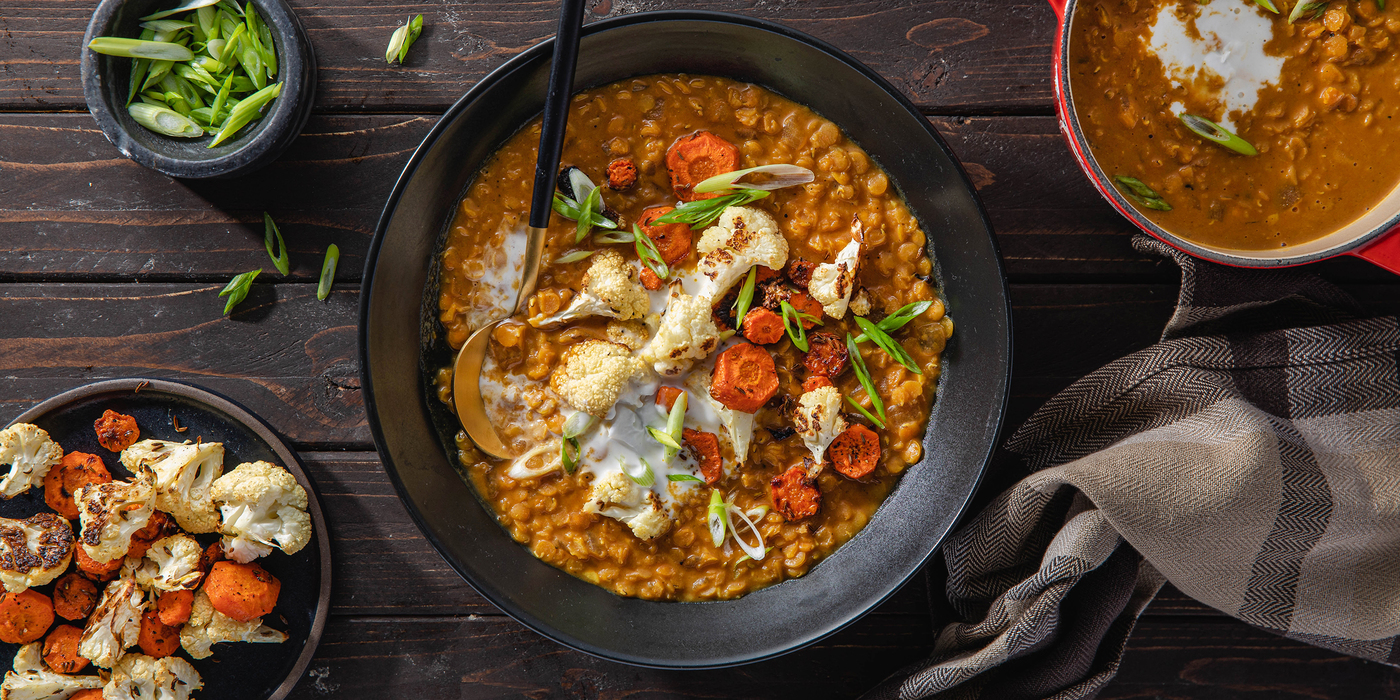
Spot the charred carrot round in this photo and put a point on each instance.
(61, 649)
(89, 694)
(672, 240)
(93, 569)
(744, 378)
(807, 305)
(800, 272)
(78, 469)
(157, 639)
(242, 591)
(116, 431)
(667, 395)
(815, 382)
(795, 496)
(212, 553)
(855, 452)
(622, 173)
(826, 355)
(158, 527)
(174, 607)
(74, 597)
(651, 281)
(763, 326)
(705, 447)
(698, 157)
(24, 616)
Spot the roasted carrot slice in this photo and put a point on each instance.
(826, 355)
(672, 240)
(795, 495)
(622, 173)
(763, 326)
(24, 616)
(116, 431)
(667, 395)
(855, 452)
(242, 591)
(89, 694)
(807, 305)
(650, 280)
(61, 649)
(705, 447)
(698, 157)
(157, 639)
(78, 469)
(744, 378)
(74, 597)
(159, 526)
(800, 272)
(212, 553)
(174, 607)
(93, 569)
(815, 382)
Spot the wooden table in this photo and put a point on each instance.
(110, 270)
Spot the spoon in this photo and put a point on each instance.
(466, 373)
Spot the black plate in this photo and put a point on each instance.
(401, 344)
(236, 671)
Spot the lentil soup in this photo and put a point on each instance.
(633, 515)
(1316, 97)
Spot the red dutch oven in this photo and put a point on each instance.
(1372, 237)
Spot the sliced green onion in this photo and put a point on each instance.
(745, 298)
(136, 48)
(207, 19)
(792, 322)
(590, 204)
(1141, 193)
(246, 111)
(614, 237)
(323, 288)
(231, 7)
(138, 76)
(187, 92)
(570, 459)
(1268, 5)
(272, 240)
(756, 551)
(784, 175)
(569, 209)
(703, 212)
(648, 254)
(230, 50)
(220, 100)
(745, 557)
(182, 7)
(578, 424)
(684, 477)
(715, 518)
(572, 257)
(664, 438)
(877, 335)
(675, 425)
(1211, 131)
(166, 25)
(878, 423)
(858, 364)
(646, 477)
(237, 289)
(164, 120)
(402, 39)
(250, 57)
(1302, 7)
(902, 317)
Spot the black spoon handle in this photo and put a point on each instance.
(556, 110)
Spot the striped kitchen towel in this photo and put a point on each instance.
(1251, 458)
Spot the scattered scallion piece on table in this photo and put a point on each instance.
(703, 212)
(402, 38)
(881, 339)
(1211, 131)
(1141, 193)
(237, 289)
(648, 254)
(862, 374)
(323, 288)
(745, 300)
(272, 240)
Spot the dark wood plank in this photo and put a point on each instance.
(946, 55)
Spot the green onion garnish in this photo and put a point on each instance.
(572, 257)
(590, 204)
(1211, 131)
(1303, 7)
(900, 318)
(675, 425)
(165, 121)
(569, 458)
(878, 423)
(323, 289)
(792, 322)
(645, 478)
(1268, 5)
(784, 175)
(182, 7)
(858, 364)
(136, 48)
(703, 212)
(272, 235)
(237, 289)
(246, 111)
(614, 237)
(684, 477)
(1141, 193)
(745, 298)
(402, 38)
(647, 252)
(715, 517)
(877, 335)
(664, 438)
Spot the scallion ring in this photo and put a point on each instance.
(784, 175)
(745, 299)
(237, 288)
(645, 477)
(648, 254)
(715, 518)
(572, 257)
(684, 478)
(664, 438)
(675, 425)
(578, 423)
(1211, 131)
(755, 552)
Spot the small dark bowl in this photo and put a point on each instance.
(106, 79)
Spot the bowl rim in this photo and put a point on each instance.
(285, 121)
(504, 604)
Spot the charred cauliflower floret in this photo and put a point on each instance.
(207, 627)
(741, 238)
(34, 551)
(687, 332)
(32, 680)
(111, 513)
(115, 623)
(818, 420)
(182, 474)
(171, 564)
(263, 507)
(832, 283)
(611, 288)
(738, 426)
(141, 677)
(633, 334)
(618, 497)
(30, 453)
(592, 374)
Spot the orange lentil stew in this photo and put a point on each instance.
(603, 510)
(1325, 123)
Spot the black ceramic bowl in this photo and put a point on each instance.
(401, 344)
(106, 78)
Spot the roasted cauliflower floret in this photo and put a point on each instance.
(263, 507)
(111, 513)
(738, 426)
(611, 288)
(30, 453)
(618, 497)
(115, 623)
(171, 564)
(140, 677)
(687, 332)
(207, 627)
(592, 374)
(818, 420)
(633, 334)
(34, 551)
(860, 304)
(832, 283)
(32, 680)
(741, 238)
(182, 474)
